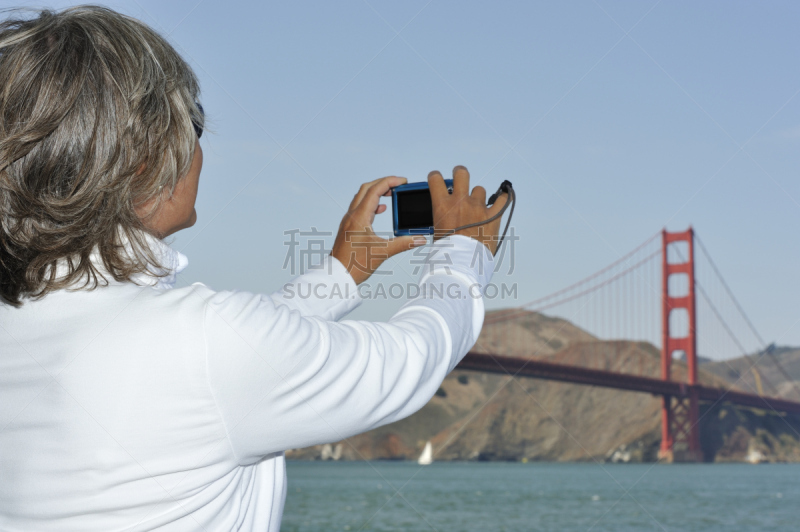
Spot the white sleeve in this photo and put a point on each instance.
(282, 380)
(327, 291)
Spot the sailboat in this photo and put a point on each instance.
(426, 457)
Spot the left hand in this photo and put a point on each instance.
(357, 246)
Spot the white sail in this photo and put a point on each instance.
(331, 453)
(427, 455)
(326, 453)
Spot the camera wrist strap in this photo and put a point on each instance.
(506, 187)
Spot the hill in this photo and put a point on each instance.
(745, 372)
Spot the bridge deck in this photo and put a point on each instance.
(537, 369)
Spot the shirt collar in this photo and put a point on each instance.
(164, 278)
(173, 262)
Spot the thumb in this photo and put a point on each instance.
(404, 243)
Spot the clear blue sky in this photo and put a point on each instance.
(613, 120)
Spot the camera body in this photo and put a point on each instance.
(412, 208)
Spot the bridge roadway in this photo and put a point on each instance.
(538, 369)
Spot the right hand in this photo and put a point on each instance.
(357, 246)
(462, 208)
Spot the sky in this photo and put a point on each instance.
(612, 119)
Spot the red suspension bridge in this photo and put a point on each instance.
(649, 297)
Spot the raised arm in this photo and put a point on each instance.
(285, 378)
(282, 380)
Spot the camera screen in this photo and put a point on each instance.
(414, 209)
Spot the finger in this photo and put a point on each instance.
(460, 181)
(372, 196)
(498, 204)
(479, 193)
(436, 184)
(381, 208)
(358, 196)
(362, 191)
(389, 192)
(404, 243)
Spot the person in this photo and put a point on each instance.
(127, 403)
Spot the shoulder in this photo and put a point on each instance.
(235, 316)
(190, 299)
(227, 304)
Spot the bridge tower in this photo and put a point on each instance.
(680, 433)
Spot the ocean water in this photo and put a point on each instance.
(327, 496)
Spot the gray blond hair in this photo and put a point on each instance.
(96, 120)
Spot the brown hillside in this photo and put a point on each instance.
(528, 334)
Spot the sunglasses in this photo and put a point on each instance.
(198, 128)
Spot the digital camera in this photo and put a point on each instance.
(412, 208)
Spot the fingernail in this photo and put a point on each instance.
(420, 241)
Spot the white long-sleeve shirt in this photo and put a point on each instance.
(142, 407)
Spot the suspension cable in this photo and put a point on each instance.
(512, 311)
(730, 332)
(744, 315)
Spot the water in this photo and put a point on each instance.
(560, 497)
